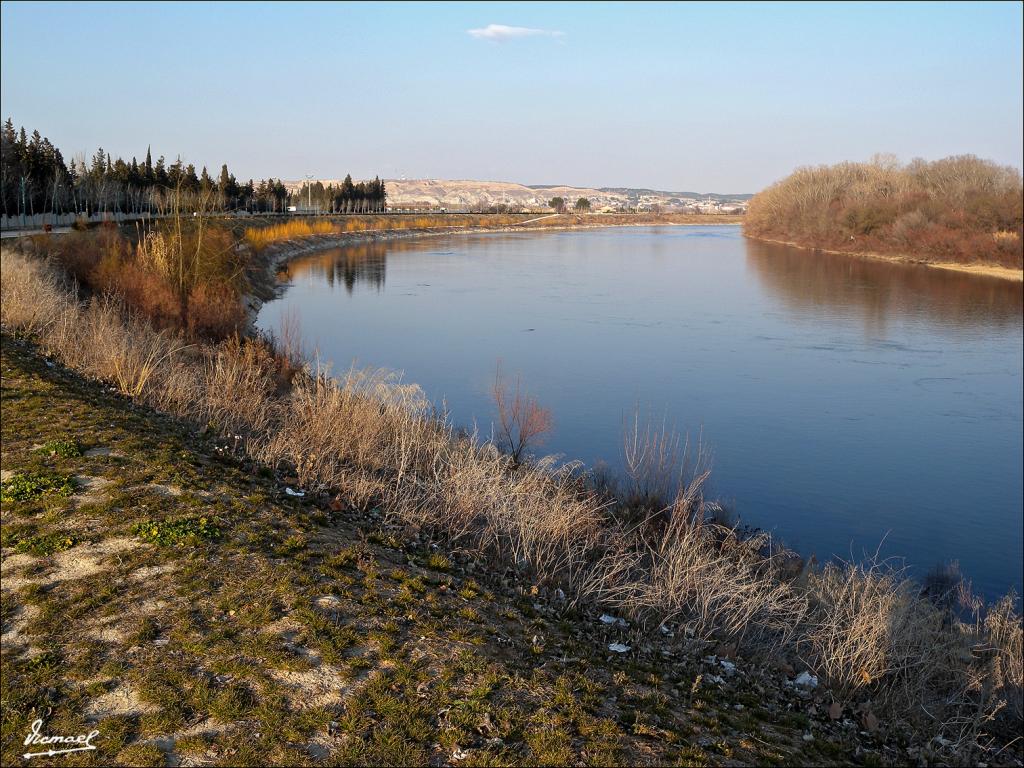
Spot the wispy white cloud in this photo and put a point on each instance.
(501, 32)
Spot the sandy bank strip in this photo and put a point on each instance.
(982, 270)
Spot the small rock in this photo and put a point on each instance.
(870, 722)
(726, 651)
(807, 680)
(835, 710)
(618, 648)
(808, 737)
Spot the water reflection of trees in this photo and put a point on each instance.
(809, 280)
(364, 263)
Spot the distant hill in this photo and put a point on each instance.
(464, 193)
(691, 195)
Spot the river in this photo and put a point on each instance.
(850, 406)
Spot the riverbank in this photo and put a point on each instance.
(980, 270)
(883, 659)
(191, 606)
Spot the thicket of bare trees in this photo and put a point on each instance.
(961, 209)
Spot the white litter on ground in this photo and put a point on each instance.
(807, 680)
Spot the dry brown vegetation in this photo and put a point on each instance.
(268, 232)
(960, 209)
(260, 236)
(184, 274)
(866, 631)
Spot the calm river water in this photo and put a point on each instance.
(848, 404)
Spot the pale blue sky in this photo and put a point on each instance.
(720, 97)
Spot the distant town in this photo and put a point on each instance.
(468, 196)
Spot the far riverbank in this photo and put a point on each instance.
(982, 270)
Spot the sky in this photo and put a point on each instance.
(707, 97)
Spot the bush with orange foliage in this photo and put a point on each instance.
(183, 278)
(214, 311)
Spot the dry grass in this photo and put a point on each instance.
(260, 237)
(33, 297)
(864, 629)
(1005, 652)
(869, 629)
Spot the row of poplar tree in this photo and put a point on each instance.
(37, 179)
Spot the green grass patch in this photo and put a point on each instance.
(45, 544)
(26, 486)
(439, 562)
(63, 447)
(185, 530)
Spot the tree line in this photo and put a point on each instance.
(347, 197)
(561, 205)
(35, 178)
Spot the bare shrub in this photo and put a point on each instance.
(522, 421)
(908, 226)
(261, 237)
(654, 462)
(141, 291)
(214, 311)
